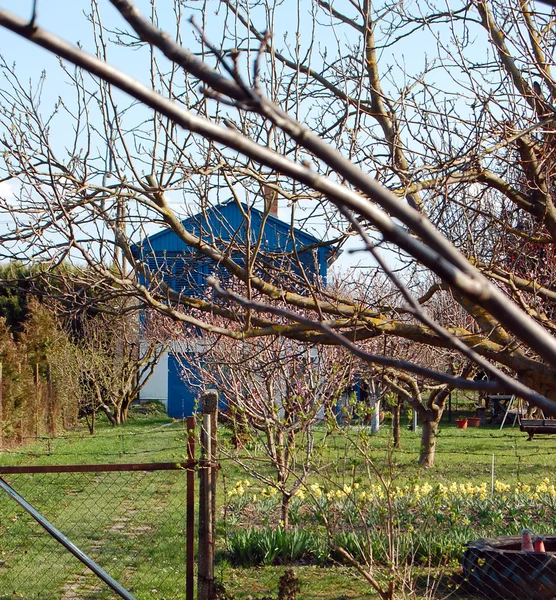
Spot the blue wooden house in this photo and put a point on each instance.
(229, 226)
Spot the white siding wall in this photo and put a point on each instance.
(156, 387)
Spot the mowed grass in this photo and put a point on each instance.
(150, 437)
(316, 583)
(132, 524)
(150, 557)
(109, 517)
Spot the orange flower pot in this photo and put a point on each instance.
(474, 421)
(461, 423)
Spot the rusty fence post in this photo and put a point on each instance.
(1, 412)
(214, 466)
(190, 512)
(205, 562)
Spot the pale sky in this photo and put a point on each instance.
(65, 18)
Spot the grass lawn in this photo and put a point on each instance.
(317, 583)
(131, 532)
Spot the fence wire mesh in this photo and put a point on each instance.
(131, 523)
(511, 568)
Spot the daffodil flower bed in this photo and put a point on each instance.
(421, 523)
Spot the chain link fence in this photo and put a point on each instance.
(511, 568)
(131, 523)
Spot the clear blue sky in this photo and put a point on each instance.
(66, 19)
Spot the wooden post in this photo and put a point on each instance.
(51, 416)
(1, 412)
(214, 469)
(205, 573)
(37, 402)
(190, 513)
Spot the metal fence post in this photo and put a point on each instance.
(190, 512)
(214, 467)
(205, 574)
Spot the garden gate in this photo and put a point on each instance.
(83, 494)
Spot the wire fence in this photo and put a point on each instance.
(165, 440)
(512, 568)
(131, 523)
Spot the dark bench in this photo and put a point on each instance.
(532, 426)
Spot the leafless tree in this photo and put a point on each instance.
(440, 163)
(428, 402)
(276, 390)
(116, 361)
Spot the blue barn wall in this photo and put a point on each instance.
(182, 399)
(186, 271)
(183, 396)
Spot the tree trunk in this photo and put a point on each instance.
(124, 407)
(123, 413)
(91, 423)
(429, 435)
(111, 417)
(285, 510)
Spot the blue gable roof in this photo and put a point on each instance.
(226, 223)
